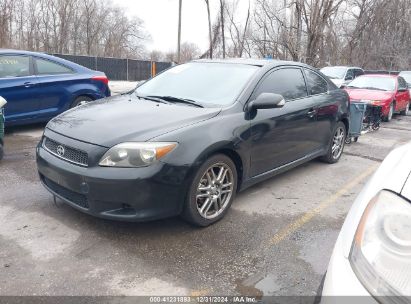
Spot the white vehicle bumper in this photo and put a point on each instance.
(341, 281)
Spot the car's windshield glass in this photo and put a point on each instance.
(205, 83)
(373, 83)
(406, 76)
(334, 72)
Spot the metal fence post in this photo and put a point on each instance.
(127, 70)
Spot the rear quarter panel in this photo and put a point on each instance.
(60, 91)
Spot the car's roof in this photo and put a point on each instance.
(45, 56)
(21, 52)
(343, 66)
(379, 75)
(251, 61)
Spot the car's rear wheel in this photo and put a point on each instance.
(406, 110)
(390, 113)
(336, 146)
(211, 192)
(81, 100)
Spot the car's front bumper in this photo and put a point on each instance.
(128, 194)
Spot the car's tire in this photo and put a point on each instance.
(211, 192)
(1, 151)
(336, 146)
(80, 101)
(406, 110)
(390, 113)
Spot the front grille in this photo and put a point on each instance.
(65, 152)
(71, 196)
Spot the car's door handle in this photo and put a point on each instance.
(312, 112)
(28, 84)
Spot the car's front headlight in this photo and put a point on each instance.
(136, 154)
(381, 250)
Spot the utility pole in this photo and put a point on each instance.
(179, 31)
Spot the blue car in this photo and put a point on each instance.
(38, 87)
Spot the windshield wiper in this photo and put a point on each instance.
(177, 99)
(152, 98)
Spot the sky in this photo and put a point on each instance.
(161, 20)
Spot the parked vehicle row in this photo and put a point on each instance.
(38, 86)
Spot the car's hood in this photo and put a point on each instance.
(362, 94)
(337, 81)
(110, 121)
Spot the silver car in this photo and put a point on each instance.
(372, 255)
(342, 75)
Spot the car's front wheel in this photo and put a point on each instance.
(212, 191)
(336, 146)
(81, 100)
(390, 113)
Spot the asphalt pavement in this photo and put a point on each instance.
(276, 240)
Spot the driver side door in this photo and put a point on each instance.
(283, 135)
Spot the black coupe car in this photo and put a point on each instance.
(186, 141)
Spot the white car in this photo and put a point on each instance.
(342, 75)
(372, 255)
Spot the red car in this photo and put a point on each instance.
(388, 91)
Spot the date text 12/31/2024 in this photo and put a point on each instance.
(203, 299)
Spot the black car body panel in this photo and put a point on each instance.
(118, 112)
(262, 144)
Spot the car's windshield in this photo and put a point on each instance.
(334, 72)
(406, 76)
(373, 83)
(206, 83)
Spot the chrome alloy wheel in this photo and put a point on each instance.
(338, 143)
(214, 190)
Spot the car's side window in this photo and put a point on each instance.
(288, 82)
(402, 84)
(349, 75)
(47, 67)
(14, 66)
(358, 72)
(315, 83)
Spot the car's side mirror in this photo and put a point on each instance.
(267, 101)
(348, 78)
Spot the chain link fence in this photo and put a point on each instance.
(118, 68)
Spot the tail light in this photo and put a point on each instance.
(102, 78)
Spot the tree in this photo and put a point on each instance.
(210, 36)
